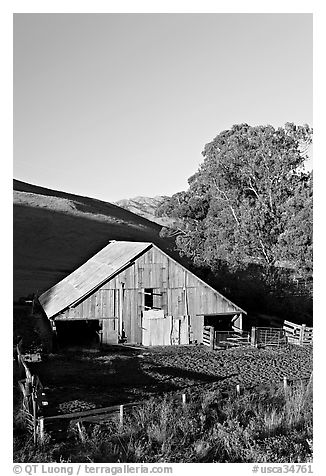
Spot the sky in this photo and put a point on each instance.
(115, 106)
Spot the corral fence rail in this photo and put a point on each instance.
(268, 336)
(216, 339)
(290, 333)
(298, 334)
(96, 415)
(227, 339)
(208, 336)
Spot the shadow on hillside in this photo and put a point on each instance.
(89, 205)
(49, 245)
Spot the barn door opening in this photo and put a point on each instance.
(220, 323)
(78, 333)
(220, 329)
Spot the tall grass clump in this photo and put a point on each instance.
(272, 425)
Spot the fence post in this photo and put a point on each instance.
(211, 337)
(184, 399)
(41, 428)
(81, 431)
(34, 418)
(310, 382)
(121, 416)
(302, 333)
(254, 336)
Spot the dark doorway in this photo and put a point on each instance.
(220, 323)
(78, 333)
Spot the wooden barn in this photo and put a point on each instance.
(134, 292)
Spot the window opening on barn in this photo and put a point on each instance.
(149, 298)
(153, 299)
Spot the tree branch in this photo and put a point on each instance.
(226, 199)
(253, 189)
(175, 231)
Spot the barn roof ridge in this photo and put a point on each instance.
(97, 270)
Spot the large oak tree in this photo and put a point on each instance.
(250, 202)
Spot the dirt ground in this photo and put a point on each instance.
(80, 380)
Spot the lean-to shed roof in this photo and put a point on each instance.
(98, 269)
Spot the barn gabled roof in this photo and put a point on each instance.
(103, 266)
(98, 269)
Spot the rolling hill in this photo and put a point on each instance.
(55, 232)
(145, 207)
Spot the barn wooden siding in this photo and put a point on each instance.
(97, 270)
(176, 290)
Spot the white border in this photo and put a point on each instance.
(167, 6)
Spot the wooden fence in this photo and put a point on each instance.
(34, 400)
(267, 336)
(298, 334)
(208, 336)
(290, 333)
(224, 339)
(95, 415)
(33, 395)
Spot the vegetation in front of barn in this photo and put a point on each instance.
(270, 425)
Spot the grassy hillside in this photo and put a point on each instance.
(55, 232)
(146, 207)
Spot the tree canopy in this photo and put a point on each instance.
(250, 202)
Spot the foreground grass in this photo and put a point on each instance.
(267, 426)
